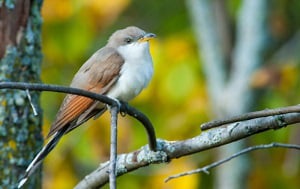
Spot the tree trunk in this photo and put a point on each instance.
(20, 60)
(230, 89)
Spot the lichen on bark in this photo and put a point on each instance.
(20, 130)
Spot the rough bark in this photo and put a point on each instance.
(20, 60)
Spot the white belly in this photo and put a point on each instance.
(132, 81)
(135, 74)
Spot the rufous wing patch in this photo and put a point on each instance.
(97, 75)
(73, 106)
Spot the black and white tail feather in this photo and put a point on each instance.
(55, 139)
(41, 155)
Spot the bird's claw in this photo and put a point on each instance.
(123, 109)
(117, 104)
(121, 105)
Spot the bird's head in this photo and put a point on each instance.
(131, 35)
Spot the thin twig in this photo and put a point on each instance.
(31, 104)
(56, 88)
(113, 146)
(251, 115)
(102, 98)
(244, 151)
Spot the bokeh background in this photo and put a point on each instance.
(176, 101)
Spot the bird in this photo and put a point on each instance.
(121, 70)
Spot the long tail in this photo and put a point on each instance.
(41, 155)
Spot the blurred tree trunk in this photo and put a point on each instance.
(229, 86)
(20, 60)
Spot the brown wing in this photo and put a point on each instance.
(97, 75)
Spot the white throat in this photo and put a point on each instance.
(136, 71)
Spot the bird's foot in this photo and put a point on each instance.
(117, 103)
(121, 105)
(123, 108)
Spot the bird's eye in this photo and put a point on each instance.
(128, 40)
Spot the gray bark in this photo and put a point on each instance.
(20, 60)
(168, 150)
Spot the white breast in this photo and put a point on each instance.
(136, 72)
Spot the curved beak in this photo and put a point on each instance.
(147, 37)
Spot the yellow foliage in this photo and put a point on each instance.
(63, 179)
(177, 47)
(57, 10)
(289, 79)
(107, 11)
(177, 166)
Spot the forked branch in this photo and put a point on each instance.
(205, 169)
(166, 150)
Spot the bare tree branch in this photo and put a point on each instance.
(31, 104)
(224, 27)
(248, 52)
(238, 97)
(113, 146)
(168, 150)
(244, 151)
(102, 98)
(251, 115)
(210, 47)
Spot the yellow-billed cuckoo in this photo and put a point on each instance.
(120, 70)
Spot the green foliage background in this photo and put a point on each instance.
(176, 100)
